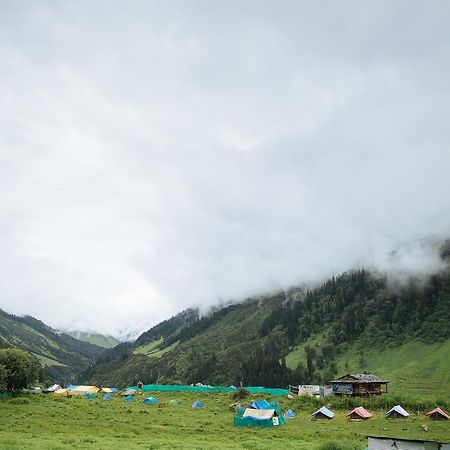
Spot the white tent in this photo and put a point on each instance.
(397, 411)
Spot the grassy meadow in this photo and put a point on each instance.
(46, 422)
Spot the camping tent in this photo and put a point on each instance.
(69, 387)
(197, 404)
(129, 398)
(289, 414)
(107, 397)
(323, 413)
(359, 413)
(83, 390)
(397, 412)
(129, 392)
(62, 393)
(90, 396)
(55, 387)
(265, 418)
(437, 414)
(109, 390)
(150, 401)
(173, 402)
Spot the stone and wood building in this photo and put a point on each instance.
(359, 385)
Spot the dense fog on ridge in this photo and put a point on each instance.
(161, 155)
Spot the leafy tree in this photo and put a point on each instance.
(20, 368)
(2, 377)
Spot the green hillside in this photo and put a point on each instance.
(62, 356)
(355, 322)
(100, 340)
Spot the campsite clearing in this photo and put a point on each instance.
(45, 421)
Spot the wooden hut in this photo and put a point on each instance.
(359, 385)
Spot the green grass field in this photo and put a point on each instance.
(46, 422)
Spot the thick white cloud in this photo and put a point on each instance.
(158, 155)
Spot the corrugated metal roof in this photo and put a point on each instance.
(359, 378)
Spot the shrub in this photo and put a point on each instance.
(240, 394)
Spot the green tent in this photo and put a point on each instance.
(263, 418)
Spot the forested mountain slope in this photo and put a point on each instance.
(61, 355)
(292, 337)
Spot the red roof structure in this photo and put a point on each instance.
(359, 413)
(437, 413)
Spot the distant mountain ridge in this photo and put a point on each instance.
(62, 356)
(296, 337)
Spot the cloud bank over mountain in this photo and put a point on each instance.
(158, 155)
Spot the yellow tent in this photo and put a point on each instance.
(107, 390)
(62, 393)
(82, 390)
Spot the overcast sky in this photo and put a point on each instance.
(159, 155)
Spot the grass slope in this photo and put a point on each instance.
(45, 422)
(414, 367)
(100, 340)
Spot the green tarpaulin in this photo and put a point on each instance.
(178, 388)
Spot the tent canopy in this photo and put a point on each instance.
(438, 413)
(129, 392)
(360, 412)
(397, 410)
(81, 390)
(323, 411)
(289, 414)
(150, 401)
(62, 393)
(197, 405)
(55, 387)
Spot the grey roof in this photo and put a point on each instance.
(325, 411)
(359, 378)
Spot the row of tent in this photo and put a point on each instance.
(267, 415)
(71, 389)
(397, 412)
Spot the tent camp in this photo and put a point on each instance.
(397, 412)
(83, 390)
(323, 413)
(197, 404)
(359, 413)
(150, 401)
(265, 418)
(289, 414)
(107, 397)
(437, 414)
